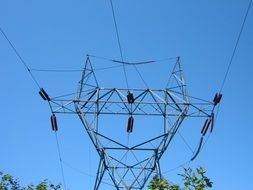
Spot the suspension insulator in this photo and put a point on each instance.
(206, 126)
(203, 128)
(212, 116)
(54, 122)
(44, 95)
(130, 124)
(217, 98)
(198, 149)
(130, 98)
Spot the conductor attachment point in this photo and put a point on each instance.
(217, 98)
(130, 98)
(44, 95)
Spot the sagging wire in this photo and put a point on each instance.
(119, 43)
(84, 173)
(42, 93)
(177, 167)
(236, 46)
(121, 53)
(186, 143)
(133, 63)
(60, 158)
(57, 70)
(102, 68)
(20, 57)
(229, 65)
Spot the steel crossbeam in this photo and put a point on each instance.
(93, 103)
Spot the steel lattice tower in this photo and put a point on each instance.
(130, 165)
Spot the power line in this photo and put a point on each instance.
(57, 70)
(229, 65)
(19, 56)
(77, 170)
(236, 45)
(72, 70)
(175, 168)
(137, 70)
(60, 159)
(186, 143)
(119, 44)
(120, 49)
(36, 82)
(132, 63)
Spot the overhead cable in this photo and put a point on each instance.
(19, 56)
(41, 93)
(230, 63)
(119, 43)
(60, 158)
(236, 45)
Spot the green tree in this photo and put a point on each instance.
(193, 180)
(7, 182)
(158, 184)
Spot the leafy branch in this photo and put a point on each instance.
(193, 180)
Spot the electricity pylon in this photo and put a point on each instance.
(106, 111)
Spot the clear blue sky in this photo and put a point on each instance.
(58, 35)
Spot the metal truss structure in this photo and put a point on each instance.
(130, 165)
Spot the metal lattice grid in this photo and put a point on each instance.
(106, 112)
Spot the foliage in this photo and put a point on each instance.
(158, 184)
(7, 182)
(195, 181)
(192, 181)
